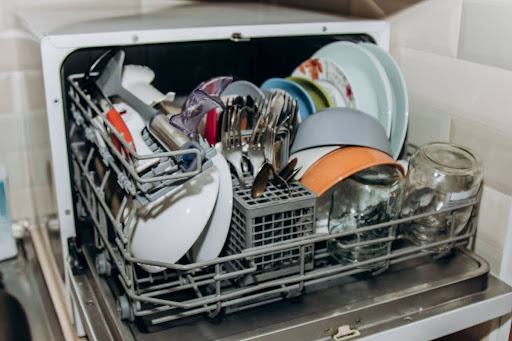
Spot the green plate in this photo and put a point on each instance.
(319, 96)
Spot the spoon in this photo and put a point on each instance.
(292, 176)
(286, 172)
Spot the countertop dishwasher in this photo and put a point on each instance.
(419, 297)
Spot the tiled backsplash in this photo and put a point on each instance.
(24, 138)
(456, 61)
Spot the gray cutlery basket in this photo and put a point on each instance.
(277, 217)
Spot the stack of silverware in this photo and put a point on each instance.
(256, 136)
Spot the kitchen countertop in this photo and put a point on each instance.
(23, 278)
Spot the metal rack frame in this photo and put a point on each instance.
(183, 290)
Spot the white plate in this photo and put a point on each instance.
(211, 241)
(171, 227)
(399, 92)
(367, 78)
(328, 75)
(306, 158)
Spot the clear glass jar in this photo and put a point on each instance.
(369, 197)
(440, 174)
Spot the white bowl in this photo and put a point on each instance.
(172, 226)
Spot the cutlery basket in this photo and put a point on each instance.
(277, 217)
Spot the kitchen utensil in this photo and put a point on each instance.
(368, 197)
(367, 78)
(342, 163)
(137, 79)
(331, 78)
(306, 158)
(399, 92)
(231, 139)
(269, 166)
(213, 87)
(292, 176)
(289, 169)
(319, 96)
(440, 175)
(209, 244)
(200, 104)
(111, 114)
(255, 147)
(135, 125)
(339, 127)
(304, 100)
(175, 222)
(109, 82)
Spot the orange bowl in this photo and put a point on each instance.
(342, 163)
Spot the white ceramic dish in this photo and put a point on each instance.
(328, 75)
(399, 93)
(367, 78)
(172, 225)
(211, 241)
(306, 158)
(243, 88)
(137, 79)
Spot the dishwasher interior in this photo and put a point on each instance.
(287, 286)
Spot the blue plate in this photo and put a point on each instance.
(304, 100)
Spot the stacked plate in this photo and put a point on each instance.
(360, 76)
(365, 123)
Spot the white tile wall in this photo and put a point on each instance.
(16, 169)
(492, 145)
(485, 32)
(465, 89)
(10, 102)
(431, 26)
(427, 123)
(21, 204)
(494, 208)
(11, 133)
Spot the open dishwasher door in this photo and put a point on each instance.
(418, 297)
(413, 300)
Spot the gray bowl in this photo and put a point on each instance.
(341, 127)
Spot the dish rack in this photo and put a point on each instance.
(271, 253)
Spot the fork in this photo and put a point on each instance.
(231, 140)
(255, 150)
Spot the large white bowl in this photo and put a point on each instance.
(170, 228)
(367, 78)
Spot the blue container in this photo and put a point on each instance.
(7, 243)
